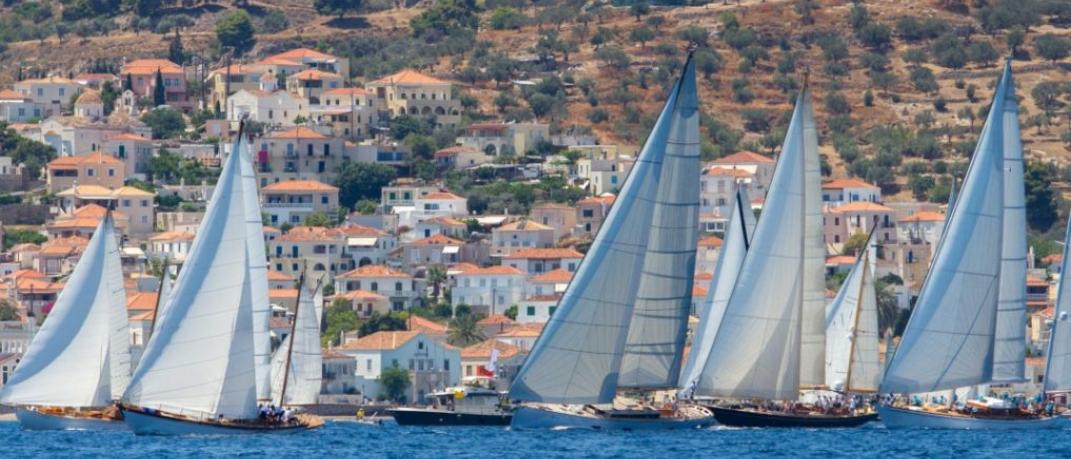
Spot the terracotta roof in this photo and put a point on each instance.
(146, 316)
(74, 222)
(840, 184)
(354, 229)
(482, 350)
(173, 236)
(95, 211)
(283, 293)
(445, 221)
(89, 96)
(275, 60)
(98, 157)
(150, 66)
(408, 77)
(300, 185)
(347, 92)
(463, 268)
(47, 80)
(9, 94)
(237, 69)
(1052, 259)
(302, 53)
(704, 276)
(840, 260)
(495, 319)
(362, 295)
(381, 341)
(1036, 282)
(426, 326)
(314, 74)
(860, 206)
(544, 253)
(699, 291)
(129, 136)
(272, 230)
(494, 271)
(724, 171)
(712, 241)
(605, 198)
(95, 77)
(454, 150)
(522, 330)
(374, 271)
(29, 284)
(523, 224)
(141, 301)
(278, 276)
(312, 233)
(441, 195)
(129, 191)
(744, 157)
(924, 216)
(299, 132)
(557, 276)
(437, 239)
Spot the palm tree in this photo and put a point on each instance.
(464, 331)
(436, 275)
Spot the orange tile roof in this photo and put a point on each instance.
(482, 350)
(699, 291)
(35, 285)
(441, 195)
(557, 276)
(464, 267)
(302, 53)
(362, 295)
(283, 293)
(278, 276)
(312, 233)
(315, 74)
(445, 221)
(47, 80)
(408, 77)
(524, 224)
(74, 223)
(495, 319)
(606, 199)
(354, 230)
(840, 184)
(1036, 282)
(347, 92)
(425, 325)
(299, 132)
(924, 216)
(275, 60)
(724, 171)
(526, 330)
(173, 236)
(1052, 259)
(300, 185)
(704, 276)
(860, 206)
(141, 301)
(89, 96)
(129, 136)
(744, 157)
(98, 157)
(544, 253)
(237, 69)
(840, 260)
(437, 239)
(712, 241)
(150, 66)
(374, 271)
(58, 251)
(94, 211)
(10, 94)
(494, 271)
(381, 341)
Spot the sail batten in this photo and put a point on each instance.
(580, 356)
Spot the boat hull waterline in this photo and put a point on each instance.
(418, 417)
(749, 418)
(532, 418)
(901, 418)
(154, 424)
(36, 420)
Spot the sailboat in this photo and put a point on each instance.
(297, 366)
(1058, 363)
(78, 364)
(967, 328)
(736, 240)
(852, 364)
(621, 322)
(199, 371)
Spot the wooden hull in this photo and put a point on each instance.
(143, 423)
(31, 419)
(749, 418)
(526, 417)
(427, 417)
(902, 418)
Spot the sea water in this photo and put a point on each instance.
(347, 439)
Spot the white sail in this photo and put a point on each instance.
(302, 349)
(840, 326)
(1009, 350)
(201, 360)
(949, 340)
(166, 285)
(730, 259)
(756, 352)
(258, 273)
(864, 367)
(119, 358)
(1058, 363)
(69, 362)
(578, 356)
(813, 309)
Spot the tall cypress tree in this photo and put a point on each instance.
(158, 96)
(176, 53)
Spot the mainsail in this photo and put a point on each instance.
(758, 347)
(852, 331)
(201, 360)
(302, 350)
(77, 358)
(1058, 365)
(578, 357)
(949, 340)
(258, 272)
(730, 258)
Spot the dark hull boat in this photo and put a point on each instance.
(744, 417)
(434, 417)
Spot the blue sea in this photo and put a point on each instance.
(347, 439)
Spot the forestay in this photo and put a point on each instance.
(948, 342)
(756, 353)
(76, 359)
(730, 259)
(201, 360)
(578, 356)
(258, 273)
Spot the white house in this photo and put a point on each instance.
(431, 364)
(520, 234)
(922, 226)
(367, 245)
(18, 108)
(402, 289)
(848, 190)
(707, 254)
(489, 290)
(536, 261)
(760, 167)
(278, 108)
(604, 175)
(718, 187)
(431, 205)
(174, 245)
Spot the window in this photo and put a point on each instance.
(126, 203)
(551, 310)
(294, 267)
(144, 203)
(375, 286)
(394, 362)
(111, 173)
(446, 364)
(368, 364)
(308, 150)
(324, 199)
(397, 286)
(587, 213)
(279, 267)
(531, 311)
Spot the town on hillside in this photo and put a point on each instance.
(445, 206)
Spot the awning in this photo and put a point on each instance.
(361, 241)
(451, 249)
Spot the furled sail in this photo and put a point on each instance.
(577, 358)
(258, 272)
(852, 357)
(949, 340)
(756, 353)
(1058, 363)
(1009, 350)
(201, 360)
(71, 361)
(652, 357)
(730, 258)
(302, 350)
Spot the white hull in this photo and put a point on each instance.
(900, 418)
(144, 424)
(34, 420)
(526, 417)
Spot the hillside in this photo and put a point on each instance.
(900, 87)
